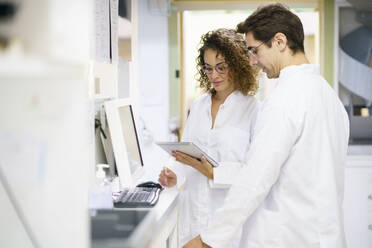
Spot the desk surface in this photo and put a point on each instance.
(167, 202)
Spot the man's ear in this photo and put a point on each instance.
(280, 41)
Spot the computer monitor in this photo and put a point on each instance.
(107, 145)
(127, 152)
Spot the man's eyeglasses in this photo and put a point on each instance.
(221, 68)
(252, 51)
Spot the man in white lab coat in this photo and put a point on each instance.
(289, 194)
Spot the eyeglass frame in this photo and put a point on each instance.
(252, 51)
(215, 68)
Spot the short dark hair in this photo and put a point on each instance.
(233, 47)
(268, 20)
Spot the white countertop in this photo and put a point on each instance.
(360, 150)
(359, 156)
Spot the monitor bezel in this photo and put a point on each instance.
(126, 177)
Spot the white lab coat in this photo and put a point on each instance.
(291, 188)
(228, 141)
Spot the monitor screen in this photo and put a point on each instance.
(124, 139)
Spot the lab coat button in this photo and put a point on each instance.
(370, 197)
(370, 226)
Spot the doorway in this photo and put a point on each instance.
(195, 23)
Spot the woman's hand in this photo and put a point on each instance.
(203, 166)
(167, 178)
(196, 243)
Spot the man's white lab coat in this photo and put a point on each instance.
(291, 188)
(228, 141)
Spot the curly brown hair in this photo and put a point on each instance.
(233, 47)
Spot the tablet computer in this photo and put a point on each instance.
(188, 148)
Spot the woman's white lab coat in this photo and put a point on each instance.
(228, 140)
(291, 188)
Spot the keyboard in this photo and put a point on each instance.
(136, 197)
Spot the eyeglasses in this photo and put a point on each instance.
(252, 51)
(221, 68)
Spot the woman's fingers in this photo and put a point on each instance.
(163, 178)
(167, 177)
(186, 159)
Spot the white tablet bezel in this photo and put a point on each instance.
(187, 148)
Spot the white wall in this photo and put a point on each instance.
(153, 70)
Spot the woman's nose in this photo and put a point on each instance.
(214, 73)
(253, 60)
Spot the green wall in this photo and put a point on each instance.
(329, 30)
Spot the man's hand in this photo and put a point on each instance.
(203, 166)
(167, 178)
(196, 243)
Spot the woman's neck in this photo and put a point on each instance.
(221, 96)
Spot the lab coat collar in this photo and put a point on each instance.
(230, 98)
(309, 68)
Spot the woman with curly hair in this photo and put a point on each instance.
(220, 122)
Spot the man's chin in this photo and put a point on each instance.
(271, 75)
(268, 74)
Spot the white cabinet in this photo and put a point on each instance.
(167, 212)
(358, 202)
(46, 130)
(167, 235)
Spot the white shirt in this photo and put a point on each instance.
(291, 188)
(228, 141)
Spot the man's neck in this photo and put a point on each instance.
(295, 59)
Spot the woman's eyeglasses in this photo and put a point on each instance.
(221, 68)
